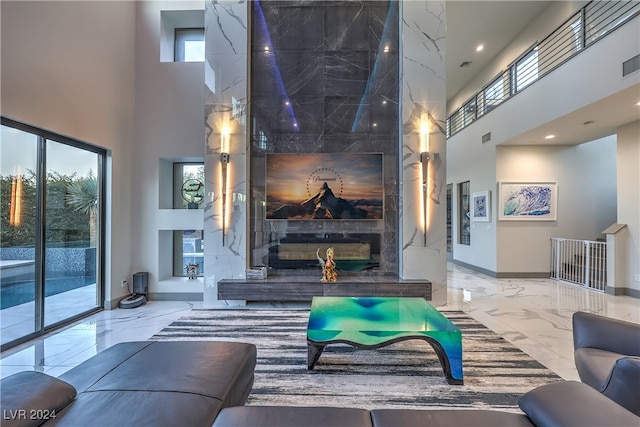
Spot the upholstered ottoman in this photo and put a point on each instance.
(137, 384)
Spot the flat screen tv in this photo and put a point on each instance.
(324, 186)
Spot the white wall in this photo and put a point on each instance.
(585, 79)
(476, 163)
(92, 71)
(68, 67)
(586, 177)
(629, 199)
(169, 124)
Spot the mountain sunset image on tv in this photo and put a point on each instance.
(324, 186)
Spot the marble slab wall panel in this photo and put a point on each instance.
(226, 32)
(424, 100)
(325, 79)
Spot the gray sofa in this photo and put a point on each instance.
(135, 384)
(207, 383)
(568, 403)
(607, 357)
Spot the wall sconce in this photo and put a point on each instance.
(224, 162)
(425, 156)
(424, 159)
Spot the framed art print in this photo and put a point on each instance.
(528, 201)
(481, 206)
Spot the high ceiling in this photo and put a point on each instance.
(490, 23)
(494, 24)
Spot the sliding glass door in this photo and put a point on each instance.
(18, 172)
(51, 246)
(71, 231)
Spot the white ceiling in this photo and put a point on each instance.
(495, 24)
(491, 23)
(606, 115)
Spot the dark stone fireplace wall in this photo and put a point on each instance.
(324, 79)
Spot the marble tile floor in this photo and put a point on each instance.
(533, 314)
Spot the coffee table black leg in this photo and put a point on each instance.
(446, 363)
(313, 353)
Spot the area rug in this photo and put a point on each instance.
(402, 375)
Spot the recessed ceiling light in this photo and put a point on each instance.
(266, 48)
(386, 48)
(384, 102)
(638, 103)
(286, 102)
(375, 124)
(549, 137)
(479, 48)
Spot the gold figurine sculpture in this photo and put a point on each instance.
(329, 273)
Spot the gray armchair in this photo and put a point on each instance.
(607, 357)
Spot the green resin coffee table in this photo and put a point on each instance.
(376, 322)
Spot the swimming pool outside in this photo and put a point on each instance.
(12, 294)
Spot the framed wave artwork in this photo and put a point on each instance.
(528, 201)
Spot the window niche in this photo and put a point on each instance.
(188, 249)
(177, 249)
(188, 185)
(181, 219)
(172, 20)
(181, 183)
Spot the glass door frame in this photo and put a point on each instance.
(41, 179)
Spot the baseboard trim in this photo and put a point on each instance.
(113, 304)
(503, 274)
(176, 296)
(634, 293)
(474, 268)
(524, 275)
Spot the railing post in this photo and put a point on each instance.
(587, 264)
(554, 258)
(583, 28)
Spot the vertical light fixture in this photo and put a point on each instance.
(225, 136)
(424, 160)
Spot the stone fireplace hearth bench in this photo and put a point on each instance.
(304, 288)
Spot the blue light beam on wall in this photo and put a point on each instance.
(262, 27)
(365, 100)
